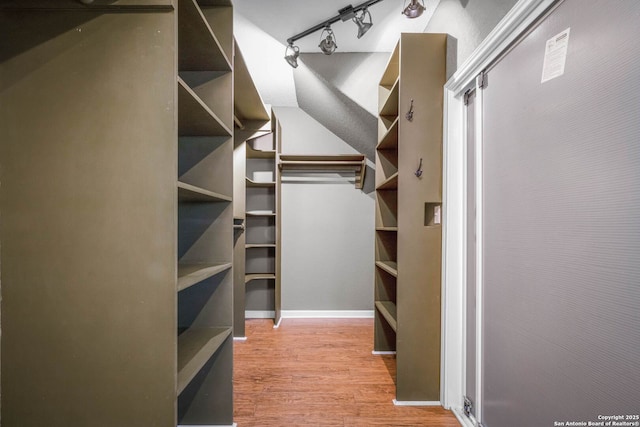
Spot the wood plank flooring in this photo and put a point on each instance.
(319, 372)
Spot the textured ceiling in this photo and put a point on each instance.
(282, 19)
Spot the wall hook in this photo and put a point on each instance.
(409, 114)
(418, 172)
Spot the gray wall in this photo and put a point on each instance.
(327, 227)
(323, 99)
(468, 22)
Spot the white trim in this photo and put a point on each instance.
(327, 314)
(452, 246)
(382, 353)
(416, 402)
(239, 338)
(521, 15)
(479, 145)
(259, 314)
(463, 419)
(515, 22)
(464, 249)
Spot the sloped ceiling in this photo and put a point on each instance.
(282, 19)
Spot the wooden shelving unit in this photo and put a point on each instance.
(408, 223)
(141, 316)
(261, 235)
(205, 214)
(326, 163)
(254, 205)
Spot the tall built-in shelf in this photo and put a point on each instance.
(205, 213)
(146, 288)
(261, 237)
(407, 220)
(254, 204)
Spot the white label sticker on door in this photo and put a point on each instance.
(555, 55)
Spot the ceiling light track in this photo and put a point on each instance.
(344, 14)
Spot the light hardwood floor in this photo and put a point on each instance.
(319, 373)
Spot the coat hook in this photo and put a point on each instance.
(418, 172)
(409, 114)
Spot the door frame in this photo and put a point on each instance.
(454, 245)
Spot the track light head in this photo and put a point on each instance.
(363, 26)
(291, 55)
(327, 43)
(414, 9)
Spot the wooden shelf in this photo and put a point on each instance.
(190, 274)
(259, 245)
(192, 194)
(321, 163)
(248, 105)
(195, 118)
(389, 140)
(390, 183)
(260, 213)
(390, 267)
(390, 105)
(195, 347)
(252, 183)
(387, 229)
(388, 311)
(259, 276)
(252, 153)
(198, 46)
(392, 69)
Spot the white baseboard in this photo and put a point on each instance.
(382, 353)
(327, 314)
(259, 314)
(416, 403)
(239, 338)
(277, 325)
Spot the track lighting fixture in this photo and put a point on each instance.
(327, 43)
(291, 54)
(363, 26)
(414, 9)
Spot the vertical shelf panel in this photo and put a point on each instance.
(87, 153)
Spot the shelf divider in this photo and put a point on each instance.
(258, 276)
(259, 245)
(252, 153)
(390, 183)
(389, 312)
(191, 193)
(195, 118)
(389, 140)
(252, 183)
(190, 274)
(195, 347)
(390, 267)
(390, 106)
(199, 48)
